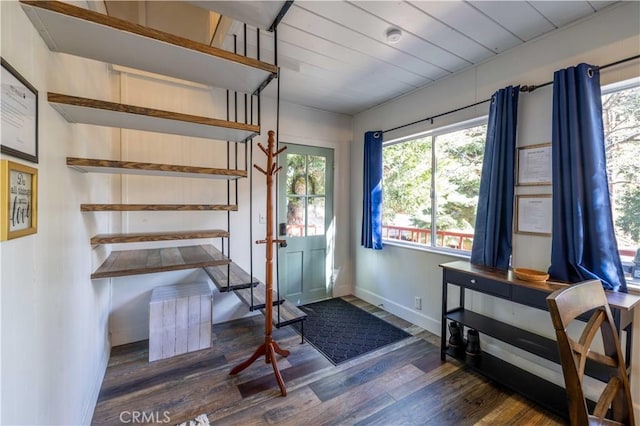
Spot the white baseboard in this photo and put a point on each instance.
(421, 320)
(90, 402)
(341, 290)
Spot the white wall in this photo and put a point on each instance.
(54, 346)
(300, 125)
(395, 275)
(57, 324)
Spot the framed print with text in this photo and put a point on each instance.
(534, 214)
(18, 115)
(534, 164)
(19, 198)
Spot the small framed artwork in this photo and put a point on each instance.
(534, 214)
(19, 198)
(534, 164)
(19, 115)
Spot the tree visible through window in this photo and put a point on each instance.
(431, 185)
(621, 118)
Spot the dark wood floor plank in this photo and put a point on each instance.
(161, 377)
(360, 402)
(403, 383)
(417, 407)
(340, 383)
(520, 413)
(268, 381)
(429, 361)
(273, 411)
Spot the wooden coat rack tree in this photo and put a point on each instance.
(269, 348)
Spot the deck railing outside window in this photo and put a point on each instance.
(450, 239)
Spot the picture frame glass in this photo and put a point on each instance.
(20, 200)
(534, 165)
(18, 115)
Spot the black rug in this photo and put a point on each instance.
(342, 331)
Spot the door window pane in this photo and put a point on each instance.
(316, 173)
(296, 217)
(316, 216)
(296, 174)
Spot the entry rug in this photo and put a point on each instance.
(342, 331)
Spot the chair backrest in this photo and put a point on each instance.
(565, 306)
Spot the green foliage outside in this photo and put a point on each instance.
(458, 177)
(407, 180)
(621, 117)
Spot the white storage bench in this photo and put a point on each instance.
(180, 318)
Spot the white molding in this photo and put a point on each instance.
(421, 320)
(89, 405)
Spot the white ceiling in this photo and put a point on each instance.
(334, 54)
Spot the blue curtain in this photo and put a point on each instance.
(584, 244)
(493, 229)
(372, 191)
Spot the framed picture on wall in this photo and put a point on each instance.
(19, 115)
(534, 214)
(19, 198)
(534, 165)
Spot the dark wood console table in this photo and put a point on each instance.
(504, 285)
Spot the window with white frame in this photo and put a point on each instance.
(621, 118)
(431, 183)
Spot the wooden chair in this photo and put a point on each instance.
(566, 305)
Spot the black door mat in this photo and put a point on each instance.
(342, 331)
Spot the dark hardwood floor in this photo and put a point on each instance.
(401, 384)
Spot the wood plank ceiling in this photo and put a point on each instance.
(334, 55)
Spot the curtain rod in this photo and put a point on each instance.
(526, 89)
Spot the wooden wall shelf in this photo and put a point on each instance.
(76, 109)
(91, 165)
(141, 237)
(157, 207)
(146, 261)
(74, 30)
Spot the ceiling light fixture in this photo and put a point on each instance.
(394, 35)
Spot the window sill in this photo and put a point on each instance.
(633, 289)
(435, 250)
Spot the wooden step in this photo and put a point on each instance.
(103, 113)
(146, 261)
(140, 237)
(256, 300)
(92, 165)
(239, 278)
(241, 284)
(156, 207)
(74, 30)
(289, 314)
